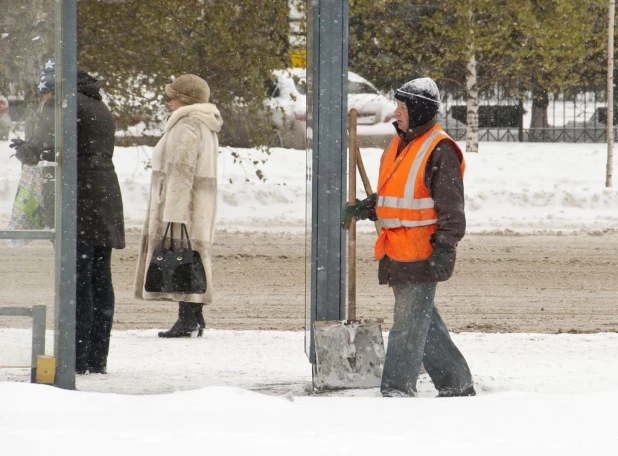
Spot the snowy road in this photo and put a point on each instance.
(546, 284)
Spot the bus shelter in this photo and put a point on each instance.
(59, 41)
(327, 50)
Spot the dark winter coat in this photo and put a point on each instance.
(444, 180)
(100, 218)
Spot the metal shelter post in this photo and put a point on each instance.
(328, 74)
(66, 191)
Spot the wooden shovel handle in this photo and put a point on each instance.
(366, 183)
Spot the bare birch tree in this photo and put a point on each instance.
(610, 93)
(472, 92)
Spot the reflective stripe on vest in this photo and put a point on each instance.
(409, 200)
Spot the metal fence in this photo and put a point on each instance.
(580, 116)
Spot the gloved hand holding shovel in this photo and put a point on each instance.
(359, 210)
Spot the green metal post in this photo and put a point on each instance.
(66, 190)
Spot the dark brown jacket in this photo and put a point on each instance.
(445, 183)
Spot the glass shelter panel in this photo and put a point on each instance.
(27, 113)
(28, 117)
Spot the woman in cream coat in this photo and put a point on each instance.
(184, 190)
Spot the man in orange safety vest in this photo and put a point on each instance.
(420, 205)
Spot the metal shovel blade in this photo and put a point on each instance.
(349, 354)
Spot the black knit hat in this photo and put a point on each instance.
(422, 98)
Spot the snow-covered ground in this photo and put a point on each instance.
(246, 392)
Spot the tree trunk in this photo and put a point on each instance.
(538, 123)
(609, 168)
(472, 98)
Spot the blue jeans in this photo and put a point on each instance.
(420, 337)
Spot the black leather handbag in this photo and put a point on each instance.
(178, 270)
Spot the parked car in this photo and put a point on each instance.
(287, 101)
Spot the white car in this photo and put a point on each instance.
(287, 101)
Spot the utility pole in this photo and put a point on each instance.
(66, 185)
(327, 113)
(610, 93)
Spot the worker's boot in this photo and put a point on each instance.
(186, 323)
(469, 391)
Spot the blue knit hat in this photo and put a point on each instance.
(47, 78)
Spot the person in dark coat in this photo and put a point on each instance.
(420, 204)
(100, 218)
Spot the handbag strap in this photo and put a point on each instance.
(183, 232)
(170, 226)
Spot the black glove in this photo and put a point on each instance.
(27, 153)
(358, 210)
(441, 261)
(16, 143)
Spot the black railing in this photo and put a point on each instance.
(558, 134)
(579, 117)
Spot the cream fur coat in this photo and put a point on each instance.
(183, 189)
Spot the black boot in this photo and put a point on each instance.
(185, 324)
(469, 391)
(199, 316)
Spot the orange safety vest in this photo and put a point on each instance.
(405, 207)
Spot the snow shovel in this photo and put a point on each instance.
(349, 353)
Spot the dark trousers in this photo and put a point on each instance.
(94, 307)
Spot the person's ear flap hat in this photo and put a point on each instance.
(189, 89)
(422, 98)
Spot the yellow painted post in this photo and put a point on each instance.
(298, 57)
(45, 369)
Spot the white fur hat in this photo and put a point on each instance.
(189, 89)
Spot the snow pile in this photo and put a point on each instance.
(519, 187)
